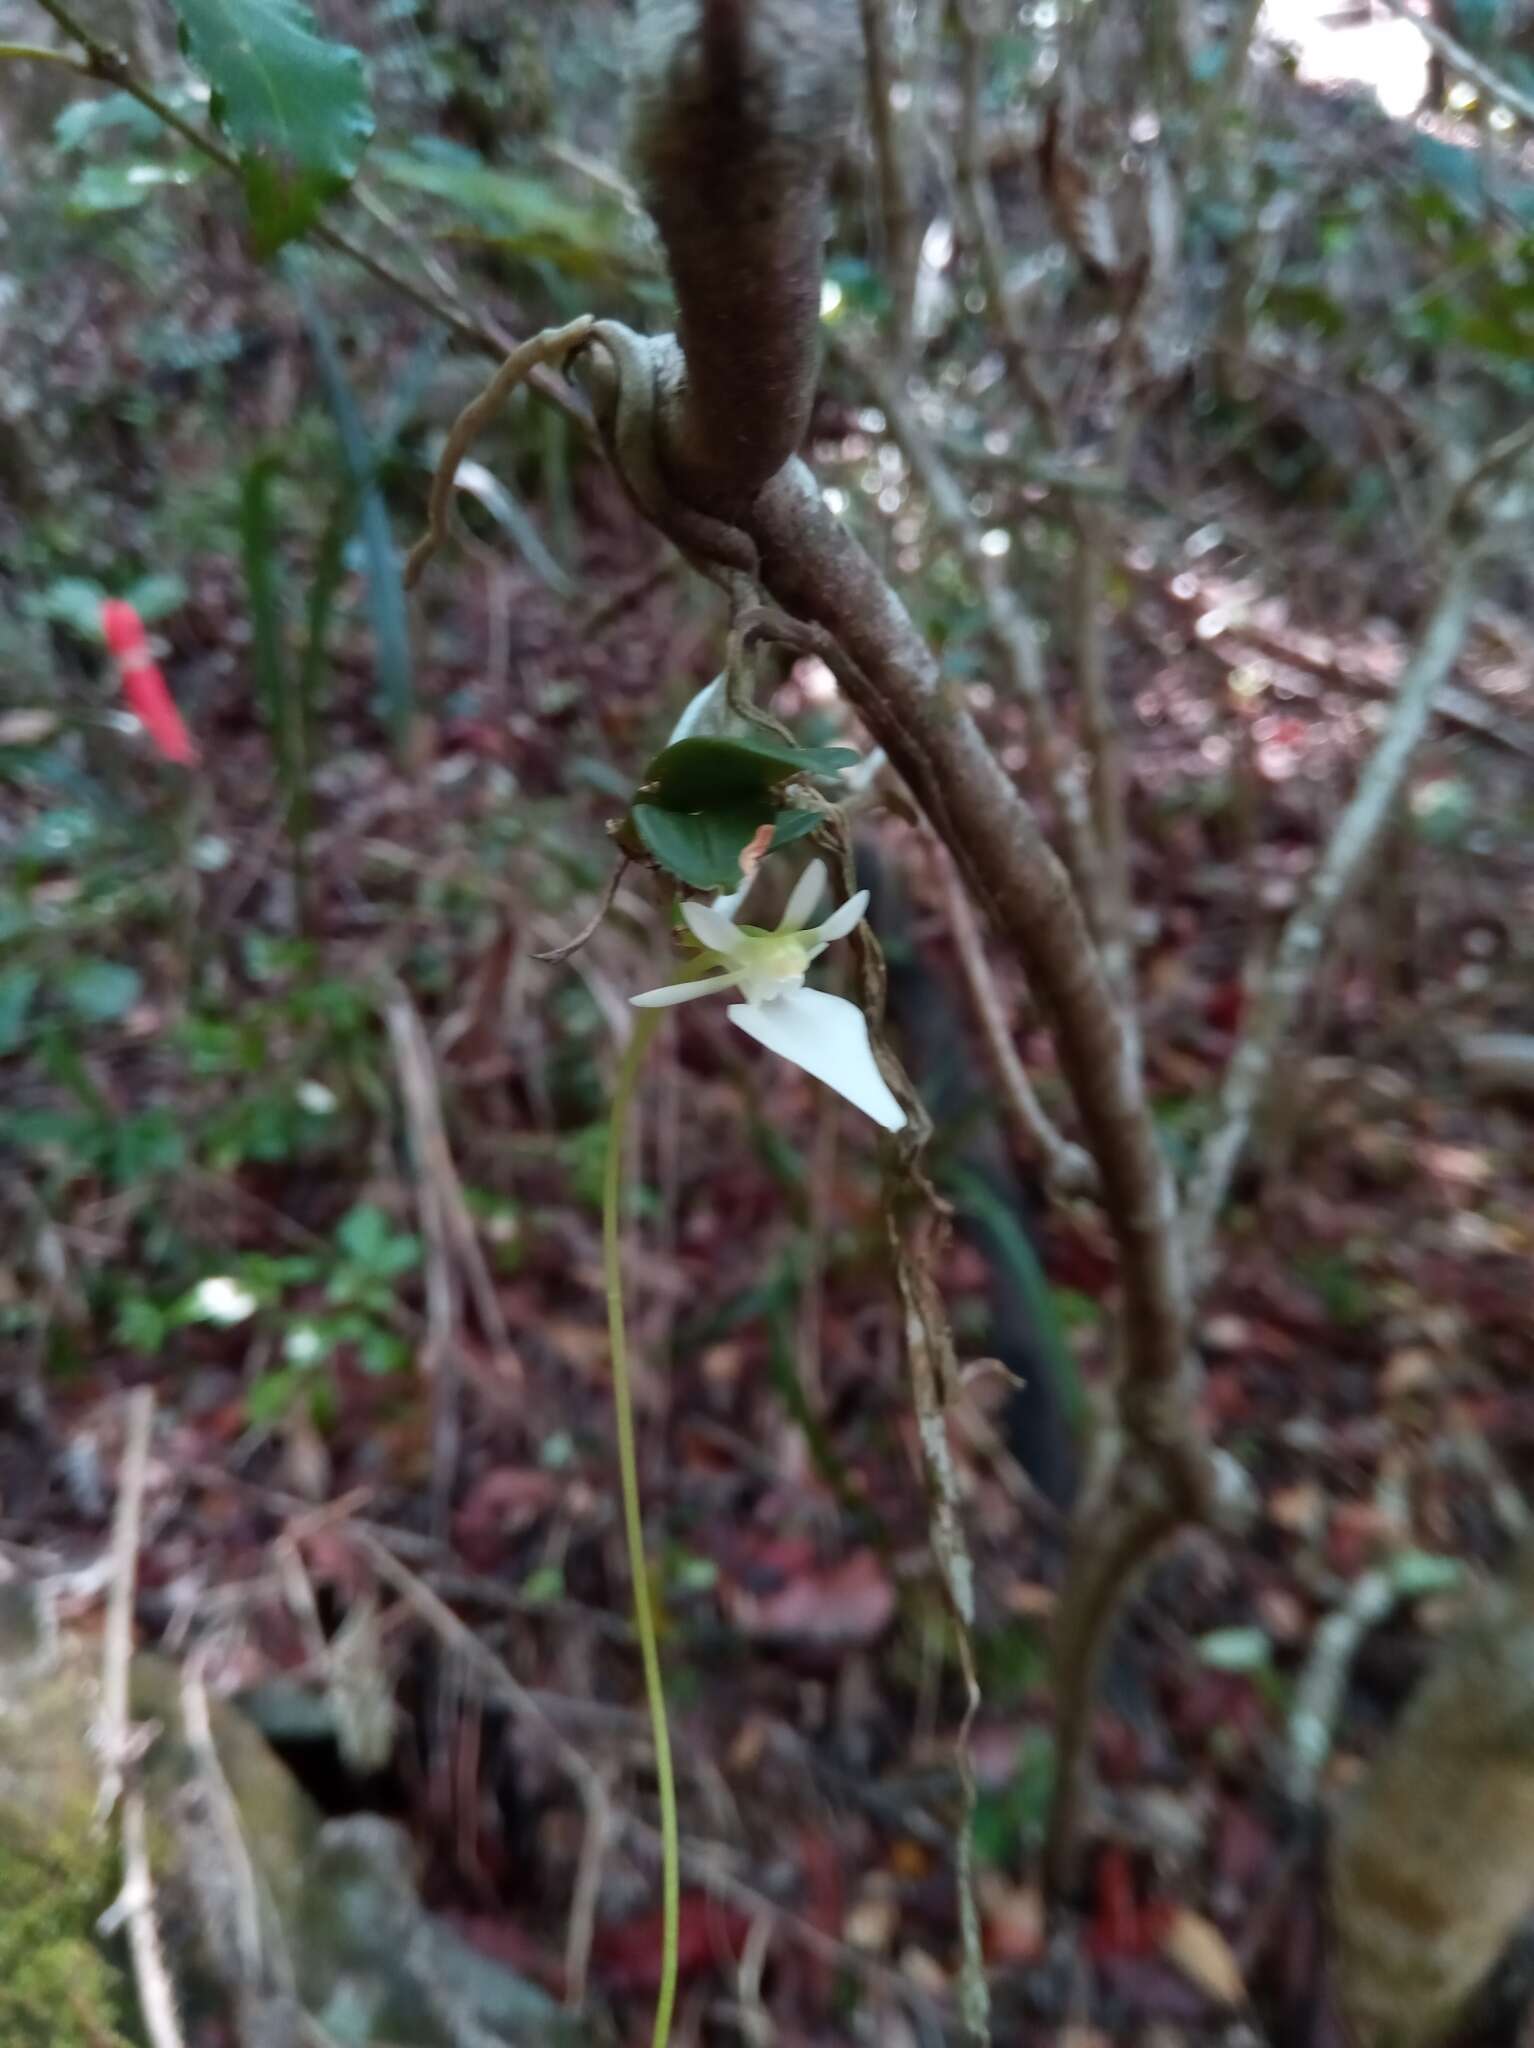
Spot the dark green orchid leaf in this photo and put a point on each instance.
(712, 774)
(703, 848)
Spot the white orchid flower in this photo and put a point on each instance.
(825, 1035)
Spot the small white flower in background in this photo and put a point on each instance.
(303, 1345)
(315, 1097)
(219, 1299)
(825, 1035)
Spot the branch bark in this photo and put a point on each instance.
(740, 106)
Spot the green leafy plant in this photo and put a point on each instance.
(294, 104)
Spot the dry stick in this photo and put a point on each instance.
(441, 1362)
(454, 1257)
(113, 1739)
(1105, 744)
(135, 1903)
(1112, 911)
(915, 1223)
(977, 201)
(1319, 1695)
(1459, 59)
(1455, 706)
(261, 1967)
(1342, 867)
(1066, 1167)
(897, 217)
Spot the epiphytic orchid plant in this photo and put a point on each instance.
(824, 1034)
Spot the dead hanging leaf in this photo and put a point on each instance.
(843, 1606)
(1204, 1956)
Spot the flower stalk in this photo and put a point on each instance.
(629, 1068)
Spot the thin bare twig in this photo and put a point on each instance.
(1459, 59)
(113, 1736)
(915, 1222)
(1111, 906)
(589, 929)
(896, 215)
(1341, 868)
(135, 1903)
(1322, 1687)
(1067, 1167)
(453, 1254)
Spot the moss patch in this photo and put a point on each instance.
(58, 1989)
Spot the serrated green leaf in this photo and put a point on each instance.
(294, 104)
(705, 773)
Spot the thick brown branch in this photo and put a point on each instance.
(738, 112)
(815, 569)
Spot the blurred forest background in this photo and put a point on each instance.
(1159, 345)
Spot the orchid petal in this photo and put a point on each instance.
(842, 921)
(683, 992)
(729, 905)
(807, 893)
(828, 1037)
(711, 928)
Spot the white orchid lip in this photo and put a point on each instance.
(825, 1035)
